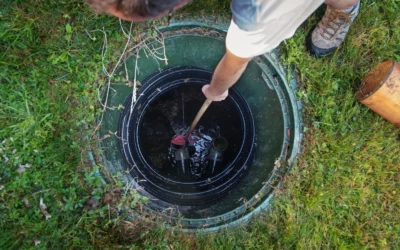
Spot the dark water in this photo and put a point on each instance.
(172, 114)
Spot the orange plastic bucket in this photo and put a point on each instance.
(380, 91)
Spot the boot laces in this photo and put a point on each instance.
(333, 21)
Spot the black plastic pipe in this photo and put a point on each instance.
(215, 156)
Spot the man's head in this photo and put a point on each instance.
(136, 10)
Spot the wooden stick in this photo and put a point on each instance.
(198, 116)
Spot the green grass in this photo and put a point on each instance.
(342, 194)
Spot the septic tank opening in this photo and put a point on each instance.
(172, 114)
(216, 155)
(244, 187)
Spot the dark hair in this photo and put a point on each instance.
(143, 8)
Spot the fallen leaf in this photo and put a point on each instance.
(112, 196)
(91, 204)
(26, 202)
(43, 208)
(21, 169)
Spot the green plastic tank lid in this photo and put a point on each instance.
(268, 90)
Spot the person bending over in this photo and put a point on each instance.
(257, 27)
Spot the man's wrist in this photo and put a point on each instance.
(214, 96)
(214, 91)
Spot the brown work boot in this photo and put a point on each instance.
(331, 30)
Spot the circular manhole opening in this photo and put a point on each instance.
(259, 126)
(217, 154)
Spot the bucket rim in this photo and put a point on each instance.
(361, 96)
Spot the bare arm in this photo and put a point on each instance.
(228, 71)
